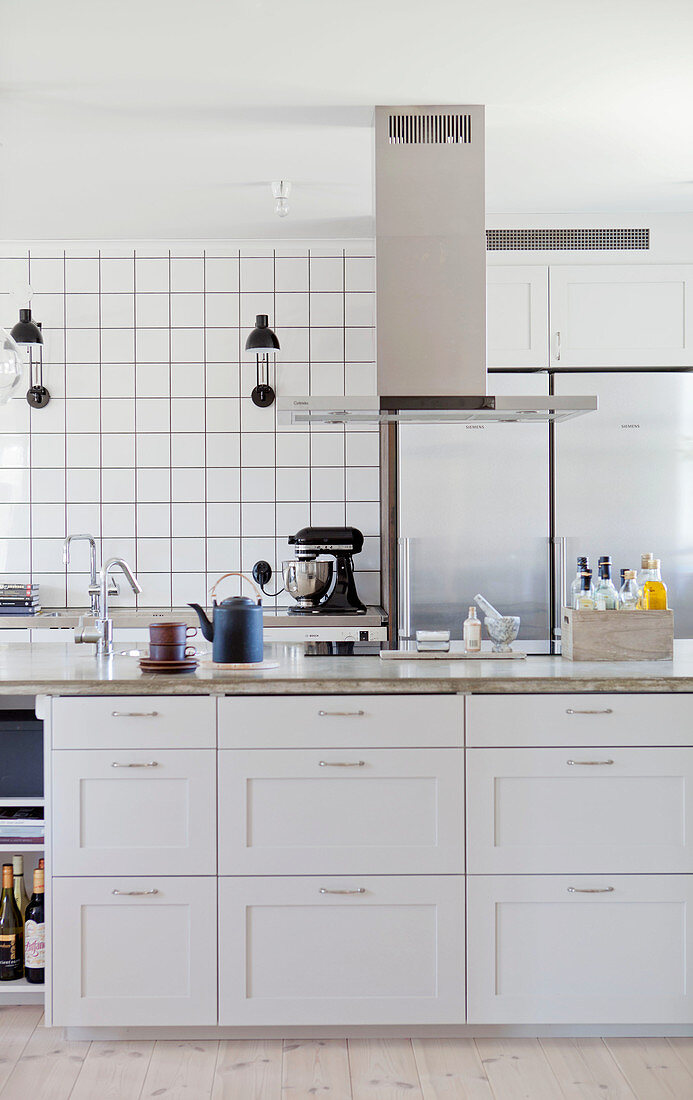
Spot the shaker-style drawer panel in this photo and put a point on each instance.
(337, 811)
(580, 949)
(135, 721)
(558, 811)
(595, 719)
(134, 812)
(134, 952)
(321, 721)
(366, 950)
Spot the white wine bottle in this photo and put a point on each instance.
(19, 890)
(11, 930)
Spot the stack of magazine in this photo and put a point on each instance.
(19, 599)
(21, 825)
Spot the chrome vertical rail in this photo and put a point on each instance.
(404, 618)
(560, 584)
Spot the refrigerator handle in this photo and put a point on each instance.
(404, 616)
(560, 581)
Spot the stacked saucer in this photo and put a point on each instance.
(168, 651)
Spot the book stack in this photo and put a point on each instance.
(19, 599)
(21, 825)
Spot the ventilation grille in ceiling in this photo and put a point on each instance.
(430, 129)
(560, 240)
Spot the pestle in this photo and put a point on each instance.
(487, 608)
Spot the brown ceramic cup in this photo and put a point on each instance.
(170, 633)
(170, 652)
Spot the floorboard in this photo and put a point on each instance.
(113, 1071)
(451, 1069)
(383, 1069)
(250, 1069)
(181, 1070)
(652, 1068)
(48, 1067)
(17, 1024)
(585, 1069)
(316, 1067)
(518, 1069)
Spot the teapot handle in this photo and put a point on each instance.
(235, 573)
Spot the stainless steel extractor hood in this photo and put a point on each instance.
(430, 282)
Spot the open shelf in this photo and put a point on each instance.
(21, 990)
(19, 848)
(14, 801)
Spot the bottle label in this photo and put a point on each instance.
(34, 945)
(10, 950)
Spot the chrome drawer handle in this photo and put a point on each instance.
(341, 713)
(589, 763)
(584, 890)
(134, 714)
(150, 764)
(133, 893)
(607, 711)
(342, 763)
(360, 890)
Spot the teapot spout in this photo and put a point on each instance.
(205, 625)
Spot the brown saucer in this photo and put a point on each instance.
(189, 664)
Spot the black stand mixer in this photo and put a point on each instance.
(324, 587)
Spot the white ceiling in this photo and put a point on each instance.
(166, 118)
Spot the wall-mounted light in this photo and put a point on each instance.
(281, 190)
(10, 366)
(27, 334)
(262, 343)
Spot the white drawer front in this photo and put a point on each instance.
(134, 812)
(557, 811)
(580, 949)
(322, 721)
(145, 956)
(132, 722)
(341, 950)
(336, 811)
(519, 720)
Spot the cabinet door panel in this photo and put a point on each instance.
(146, 958)
(341, 950)
(621, 315)
(517, 315)
(580, 949)
(375, 811)
(134, 812)
(557, 810)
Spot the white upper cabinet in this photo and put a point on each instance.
(621, 315)
(517, 312)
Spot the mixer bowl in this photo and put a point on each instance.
(502, 631)
(307, 581)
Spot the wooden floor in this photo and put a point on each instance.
(37, 1064)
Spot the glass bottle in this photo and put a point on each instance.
(605, 594)
(471, 633)
(11, 930)
(629, 592)
(584, 601)
(576, 586)
(35, 934)
(19, 890)
(654, 590)
(645, 566)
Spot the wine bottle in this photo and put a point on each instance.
(19, 890)
(11, 939)
(35, 934)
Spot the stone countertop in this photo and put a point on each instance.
(54, 669)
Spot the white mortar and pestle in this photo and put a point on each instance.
(502, 629)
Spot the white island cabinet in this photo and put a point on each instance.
(415, 860)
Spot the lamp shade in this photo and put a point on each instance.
(26, 331)
(262, 339)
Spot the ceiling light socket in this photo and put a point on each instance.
(281, 189)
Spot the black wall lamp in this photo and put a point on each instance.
(27, 334)
(262, 343)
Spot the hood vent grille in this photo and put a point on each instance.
(563, 240)
(430, 129)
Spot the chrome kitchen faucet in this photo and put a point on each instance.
(101, 586)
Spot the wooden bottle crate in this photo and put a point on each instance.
(617, 635)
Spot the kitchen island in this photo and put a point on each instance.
(356, 845)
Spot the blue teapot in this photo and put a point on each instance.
(236, 627)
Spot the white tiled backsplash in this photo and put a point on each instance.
(151, 441)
